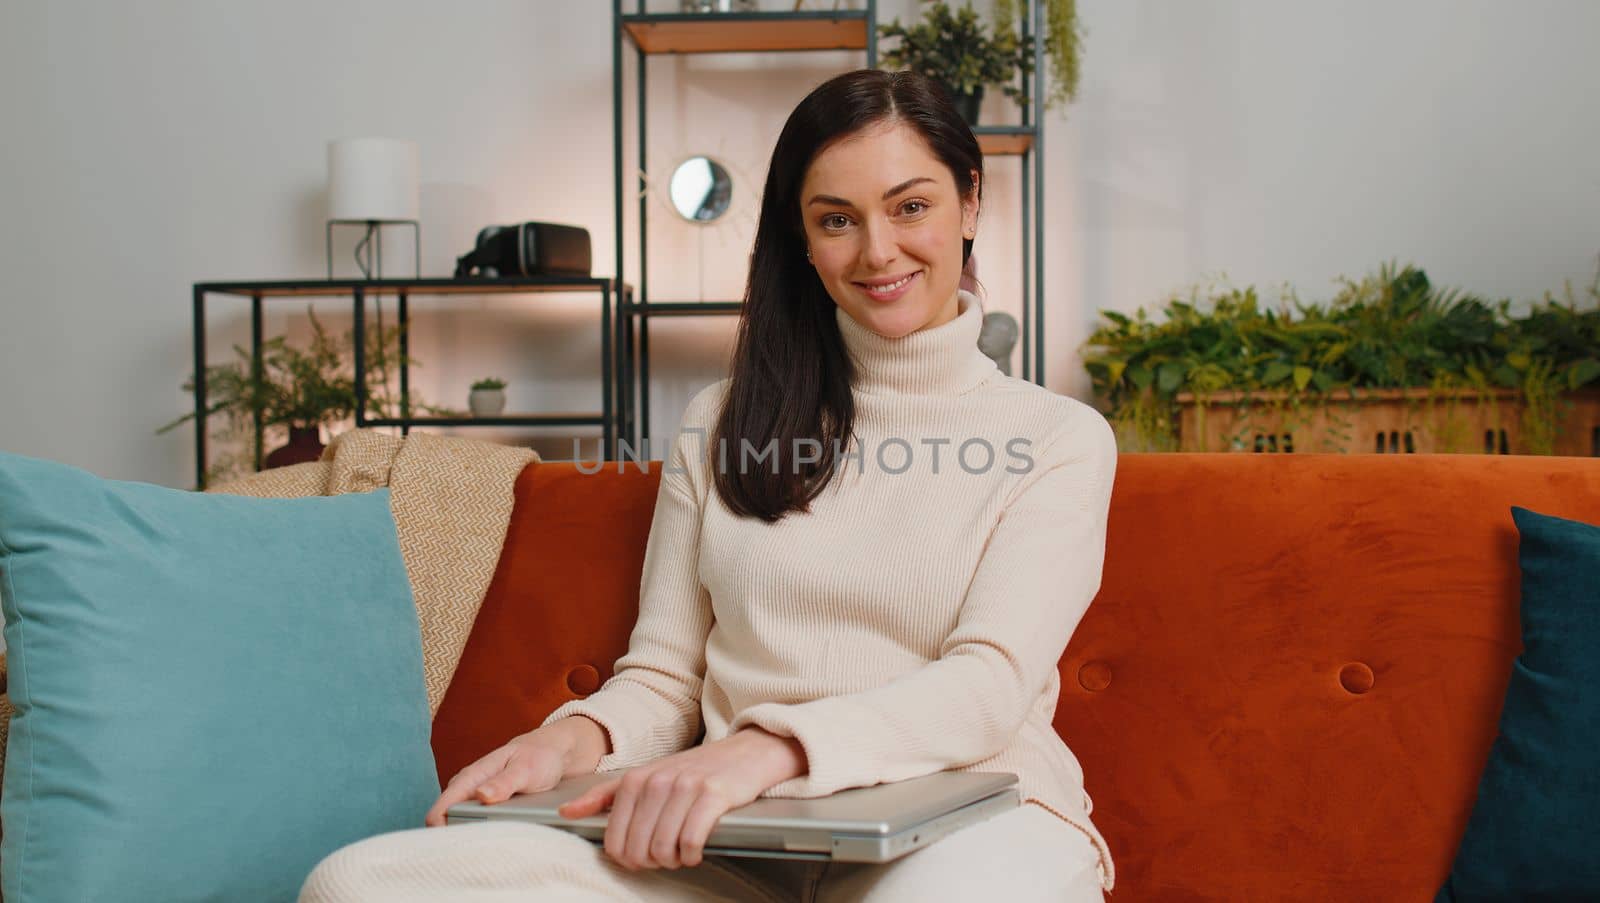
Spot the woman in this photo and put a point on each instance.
(869, 550)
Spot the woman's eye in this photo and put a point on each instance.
(908, 205)
(834, 221)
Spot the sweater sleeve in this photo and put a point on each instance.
(1038, 573)
(651, 705)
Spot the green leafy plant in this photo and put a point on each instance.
(489, 384)
(955, 48)
(293, 387)
(1392, 330)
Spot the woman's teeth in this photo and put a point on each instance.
(891, 288)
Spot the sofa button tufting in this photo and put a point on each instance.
(1356, 678)
(583, 680)
(1094, 676)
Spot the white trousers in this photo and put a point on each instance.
(1019, 857)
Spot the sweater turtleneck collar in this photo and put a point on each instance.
(943, 360)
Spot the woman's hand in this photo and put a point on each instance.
(533, 762)
(662, 812)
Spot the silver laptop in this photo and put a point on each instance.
(867, 824)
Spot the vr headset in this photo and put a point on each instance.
(527, 249)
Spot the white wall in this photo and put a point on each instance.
(148, 146)
(1291, 140)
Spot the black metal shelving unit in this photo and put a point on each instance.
(853, 29)
(612, 296)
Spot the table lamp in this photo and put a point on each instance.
(372, 182)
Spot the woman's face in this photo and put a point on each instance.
(884, 223)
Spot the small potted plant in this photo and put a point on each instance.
(488, 397)
(955, 49)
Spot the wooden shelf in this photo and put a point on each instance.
(346, 287)
(997, 141)
(686, 308)
(748, 32)
(498, 420)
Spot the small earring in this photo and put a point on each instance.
(808, 255)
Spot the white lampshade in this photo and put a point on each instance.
(372, 179)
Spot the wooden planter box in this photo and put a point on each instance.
(1383, 421)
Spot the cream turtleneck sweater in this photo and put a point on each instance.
(912, 621)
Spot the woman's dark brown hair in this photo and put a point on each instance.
(791, 374)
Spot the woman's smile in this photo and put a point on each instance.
(891, 288)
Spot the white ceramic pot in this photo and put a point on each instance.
(487, 402)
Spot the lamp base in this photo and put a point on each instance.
(372, 266)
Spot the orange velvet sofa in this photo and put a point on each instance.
(1286, 688)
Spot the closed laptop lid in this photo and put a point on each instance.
(883, 810)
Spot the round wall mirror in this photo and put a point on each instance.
(701, 190)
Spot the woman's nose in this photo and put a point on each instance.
(880, 247)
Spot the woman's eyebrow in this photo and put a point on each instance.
(841, 202)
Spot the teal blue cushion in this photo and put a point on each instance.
(1534, 833)
(212, 692)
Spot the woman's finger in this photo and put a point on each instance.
(468, 779)
(516, 778)
(591, 801)
(664, 840)
(465, 784)
(642, 827)
(697, 825)
(621, 814)
(436, 813)
(516, 775)
(528, 771)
